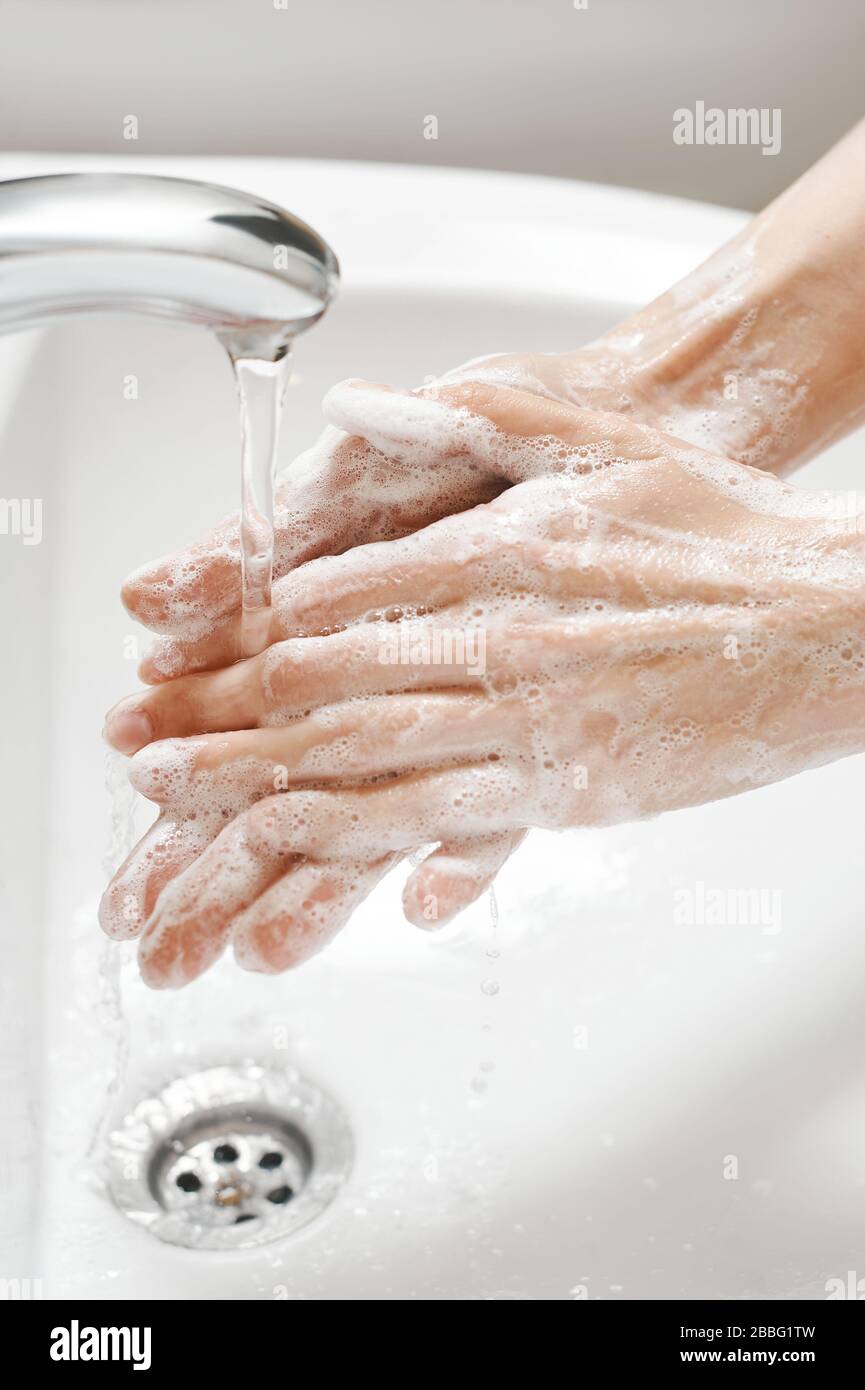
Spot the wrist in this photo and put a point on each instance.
(756, 355)
(704, 366)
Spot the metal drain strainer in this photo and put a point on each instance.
(229, 1158)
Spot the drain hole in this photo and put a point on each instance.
(264, 1150)
(242, 1164)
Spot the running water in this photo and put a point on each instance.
(109, 1005)
(261, 386)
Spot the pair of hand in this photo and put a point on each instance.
(503, 602)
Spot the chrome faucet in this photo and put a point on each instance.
(196, 253)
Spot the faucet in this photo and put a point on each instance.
(190, 252)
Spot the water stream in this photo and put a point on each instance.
(261, 388)
(109, 1004)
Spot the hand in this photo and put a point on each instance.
(642, 627)
(756, 355)
(343, 492)
(357, 486)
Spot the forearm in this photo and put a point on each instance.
(760, 353)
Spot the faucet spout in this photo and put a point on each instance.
(192, 252)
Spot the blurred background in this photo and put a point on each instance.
(585, 89)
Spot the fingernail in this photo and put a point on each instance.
(128, 728)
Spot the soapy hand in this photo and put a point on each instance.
(632, 625)
(755, 355)
(344, 491)
(341, 492)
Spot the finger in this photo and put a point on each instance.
(407, 576)
(299, 915)
(170, 657)
(198, 793)
(185, 592)
(352, 742)
(201, 784)
(188, 929)
(166, 850)
(190, 924)
(340, 492)
(302, 912)
(420, 808)
(454, 876)
(290, 678)
(224, 700)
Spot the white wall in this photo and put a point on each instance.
(533, 85)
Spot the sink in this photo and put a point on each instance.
(569, 1093)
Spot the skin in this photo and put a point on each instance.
(614, 686)
(376, 754)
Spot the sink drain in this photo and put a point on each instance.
(229, 1158)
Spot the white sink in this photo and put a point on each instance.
(566, 1137)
